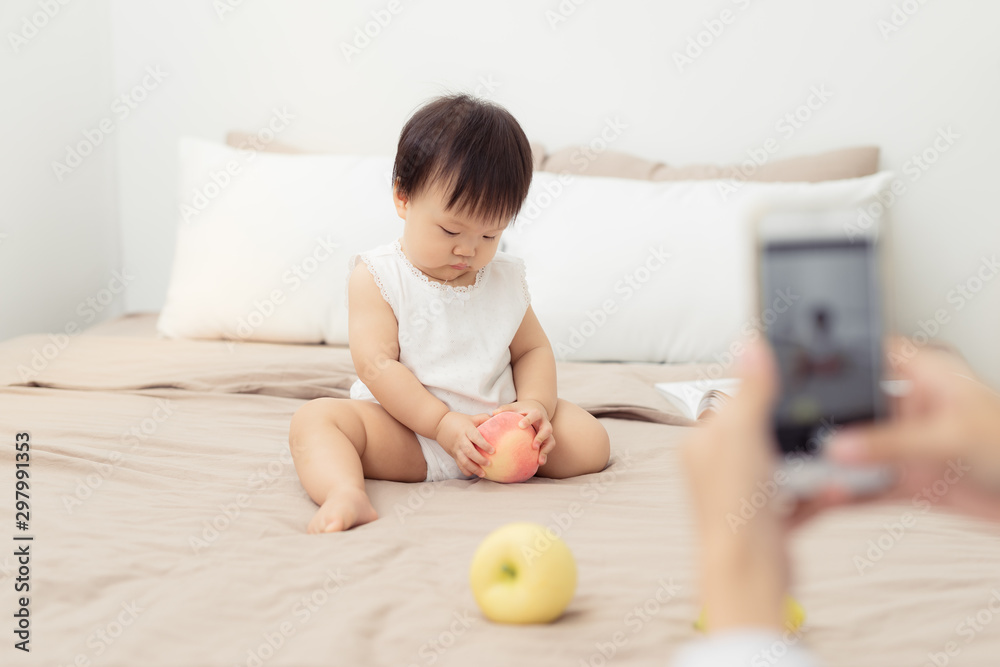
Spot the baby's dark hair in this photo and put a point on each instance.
(474, 146)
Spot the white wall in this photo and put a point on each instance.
(59, 238)
(605, 61)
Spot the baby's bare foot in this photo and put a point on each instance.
(343, 509)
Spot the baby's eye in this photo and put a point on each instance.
(489, 238)
(449, 233)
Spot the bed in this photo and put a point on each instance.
(169, 528)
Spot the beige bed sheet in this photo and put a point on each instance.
(141, 444)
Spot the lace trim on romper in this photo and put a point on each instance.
(440, 286)
(378, 281)
(462, 292)
(463, 289)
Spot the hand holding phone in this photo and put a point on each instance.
(827, 342)
(945, 433)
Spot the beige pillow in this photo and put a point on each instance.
(241, 140)
(830, 166)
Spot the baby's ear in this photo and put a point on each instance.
(400, 202)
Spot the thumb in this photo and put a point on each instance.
(759, 381)
(477, 420)
(502, 408)
(909, 439)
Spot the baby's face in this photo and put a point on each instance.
(443, 244)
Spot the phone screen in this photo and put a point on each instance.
(828, 342)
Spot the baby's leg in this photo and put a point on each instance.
(335, 444)
(582, 443)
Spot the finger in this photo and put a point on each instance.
(468, 467)
(475, 455)
(759, 384)
(530, 417)
(478, 420)
(828, 498)
(542, 435)
(895, 351)
(917, 439)
(480, 442)
(503, 408)
(543, 453)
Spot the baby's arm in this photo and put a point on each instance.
(374, 345)
(533, 364)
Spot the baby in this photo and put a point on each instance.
(441, 329)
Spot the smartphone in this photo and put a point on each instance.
(825, 276)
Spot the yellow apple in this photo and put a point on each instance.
(522, 573)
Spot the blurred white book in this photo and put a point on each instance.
(699, 398)
(695, 398)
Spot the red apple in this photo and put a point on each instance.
(515, 460)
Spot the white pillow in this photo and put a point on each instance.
(628, 270)
(263, 242)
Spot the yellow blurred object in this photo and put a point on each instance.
(523, 573)
(795, 616)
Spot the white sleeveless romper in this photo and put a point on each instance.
(455, 340)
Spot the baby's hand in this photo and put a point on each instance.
(536, 415)
(459, 435)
